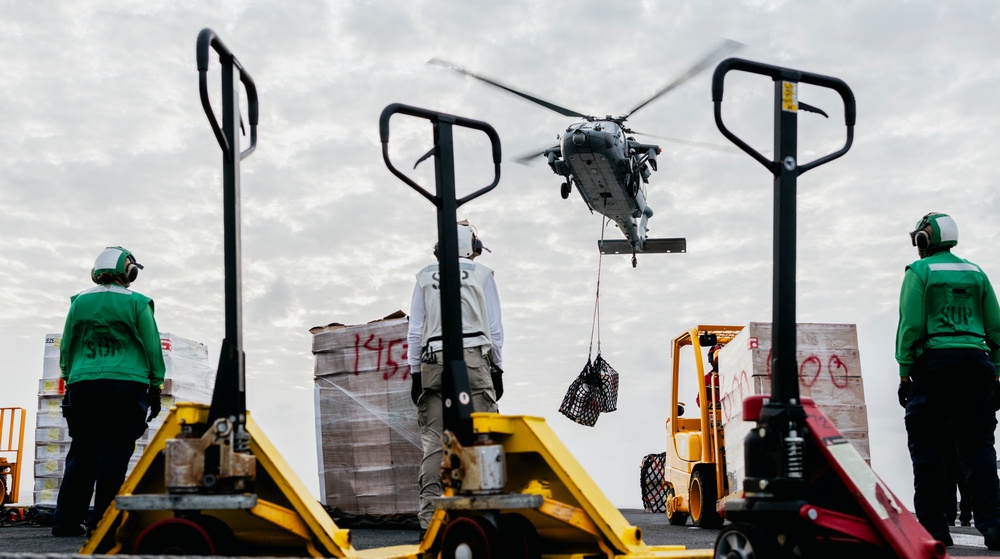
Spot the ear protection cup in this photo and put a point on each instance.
(477, 245)
(921, 239)
(131, 269)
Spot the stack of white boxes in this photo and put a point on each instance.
(829, 370)
(189, 378)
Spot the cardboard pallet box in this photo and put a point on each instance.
(829, 369)
(368, 439)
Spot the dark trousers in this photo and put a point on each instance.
(105, 418)
(950, 406)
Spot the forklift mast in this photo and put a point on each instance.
(229, 395)
(456, 389)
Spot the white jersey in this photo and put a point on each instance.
(481, 325)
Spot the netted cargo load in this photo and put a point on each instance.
(594, 390)
(652, 482)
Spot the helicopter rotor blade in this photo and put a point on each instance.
(551, 106)
(704, 145)
(725, 48)
(529, 157)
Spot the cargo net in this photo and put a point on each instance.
(652, 482)
(595, 390)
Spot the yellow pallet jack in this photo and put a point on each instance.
(512, 489)
(210, 482)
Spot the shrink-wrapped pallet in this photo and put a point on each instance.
(368, 439)
(829, 372)
(188, 378)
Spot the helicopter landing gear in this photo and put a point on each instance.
(565, 190)
(634, 261)
(632, 185)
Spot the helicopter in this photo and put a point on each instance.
(608, 166)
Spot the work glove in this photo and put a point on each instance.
(996, 395)
(497, 375)
(416, 389)
(64, 406)
(153, 400)
(903, 392)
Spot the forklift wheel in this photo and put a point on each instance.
(3, 491)
(174, 536)
(674, 517)
(470, 537)
(702, 495)
(743, 540)
(518, 538)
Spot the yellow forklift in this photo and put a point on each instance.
(695, 465)
(11, 441)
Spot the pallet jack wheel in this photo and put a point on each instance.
(518, 537)
(702, 496)
(220, 533)
(174, 536)
(742, 540)
(674, 516)
(470, 537)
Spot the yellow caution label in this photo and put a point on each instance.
(789, 96)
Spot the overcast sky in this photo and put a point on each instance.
(104, 142)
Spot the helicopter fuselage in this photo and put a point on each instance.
(609, 169)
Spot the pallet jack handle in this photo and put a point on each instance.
(229, 395)
(786, 169)
(456, 388)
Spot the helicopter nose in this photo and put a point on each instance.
(579, 138)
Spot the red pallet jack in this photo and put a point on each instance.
(807, 491)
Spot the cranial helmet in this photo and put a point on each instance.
(713, 356)
(933, 233)
(469, 245)
(115, 264)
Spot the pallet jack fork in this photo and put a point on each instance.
(807, 491)
(511, 488)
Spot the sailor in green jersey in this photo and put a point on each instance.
(112, 363)
(946, 347)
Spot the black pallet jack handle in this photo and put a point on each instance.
(456, 389)
(229, 395)
(780, 466)
(786, 169)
